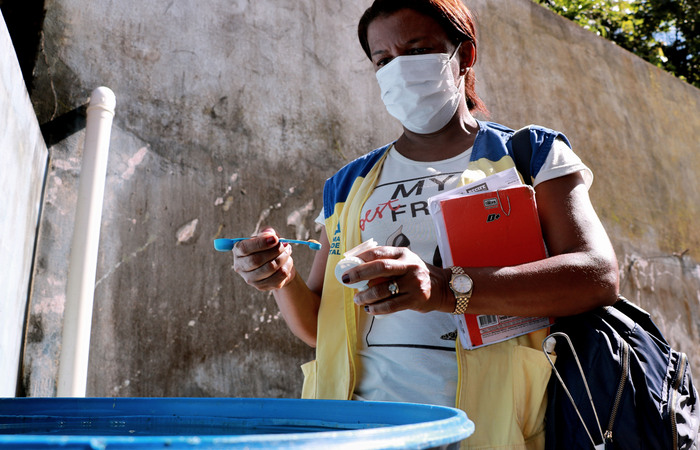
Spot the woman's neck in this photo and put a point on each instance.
(456, 137)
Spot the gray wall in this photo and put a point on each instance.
(231, 114)
(23, 158)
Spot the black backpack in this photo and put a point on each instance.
(642, 389)
(616, 359)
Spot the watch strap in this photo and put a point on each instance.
(461, 306)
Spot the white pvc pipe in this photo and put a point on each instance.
(80, 288)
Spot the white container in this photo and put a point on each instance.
(350, 261)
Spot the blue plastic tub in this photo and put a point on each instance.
(98, 423)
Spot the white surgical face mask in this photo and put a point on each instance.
(420, 90)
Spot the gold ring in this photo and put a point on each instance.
(394, 288)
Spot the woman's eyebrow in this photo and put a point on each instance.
(409, 42)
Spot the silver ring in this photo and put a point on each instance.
(394, 288)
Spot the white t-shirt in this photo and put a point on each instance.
(409, 356)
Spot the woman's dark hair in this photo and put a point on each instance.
(451, 15)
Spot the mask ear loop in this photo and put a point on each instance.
(455, 51)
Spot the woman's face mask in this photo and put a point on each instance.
(420, 90)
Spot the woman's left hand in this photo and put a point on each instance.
(421, 287)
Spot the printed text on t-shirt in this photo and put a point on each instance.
(401, 190)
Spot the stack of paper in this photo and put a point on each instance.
(490, 223)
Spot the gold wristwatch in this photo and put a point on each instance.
(462, 286)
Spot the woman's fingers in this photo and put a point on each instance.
(398, 280)
(264, 262)
(386, 307)
(267, 239)
(275, 274)
(380, 262)
(379, 289)
(244, 261)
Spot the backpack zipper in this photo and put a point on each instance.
(676, 385)
(621, 387)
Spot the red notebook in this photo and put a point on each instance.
(499, 228)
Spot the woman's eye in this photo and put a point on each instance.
(383, 62)
(418, 51)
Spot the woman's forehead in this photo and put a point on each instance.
(403, 27)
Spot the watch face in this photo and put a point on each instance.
(462, 283)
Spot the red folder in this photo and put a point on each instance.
(495, 229)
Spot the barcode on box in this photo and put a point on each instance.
(487, 321)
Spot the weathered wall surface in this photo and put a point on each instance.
(231, 115)
(23, 158)
(227, 118)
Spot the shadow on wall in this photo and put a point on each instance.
(64, 125)
(24, 20)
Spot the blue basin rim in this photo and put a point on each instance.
(349, 424)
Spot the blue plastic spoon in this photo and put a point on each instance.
(226, 245)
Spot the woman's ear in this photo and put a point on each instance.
(467, 55)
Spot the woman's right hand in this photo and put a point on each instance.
(264, 262)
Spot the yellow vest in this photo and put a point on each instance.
(501, 387)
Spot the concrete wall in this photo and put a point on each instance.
(231, 114)
(23, 158)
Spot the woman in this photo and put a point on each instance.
(423, 52)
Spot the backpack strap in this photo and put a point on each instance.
(522, 153)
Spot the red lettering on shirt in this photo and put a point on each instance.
(378, 211)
